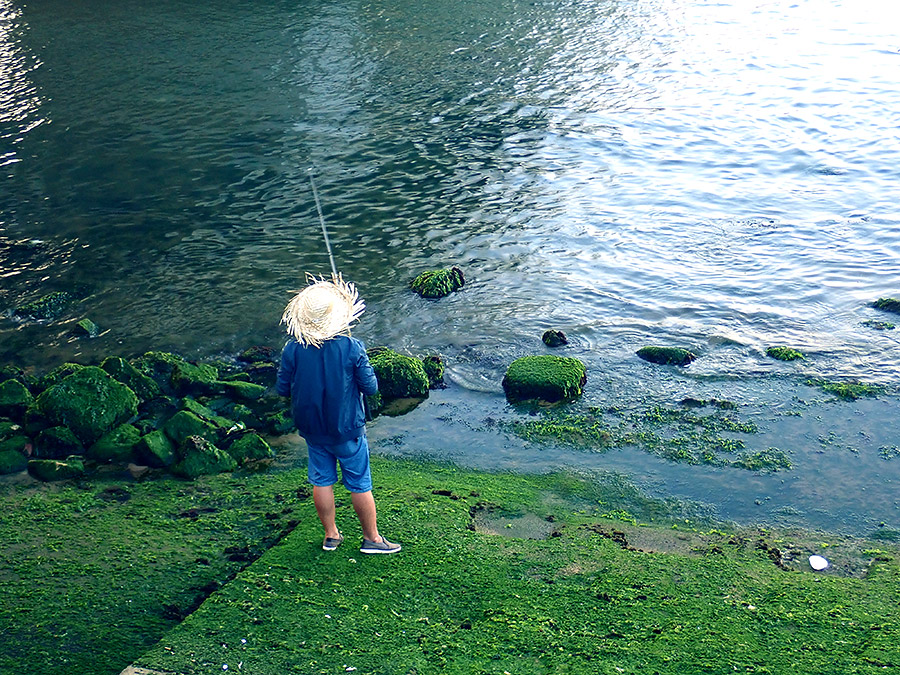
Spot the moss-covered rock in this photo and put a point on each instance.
(57, 375)
(57, 443)
(398, 376)
(90, 402)
(241, 414)
(48, 306)
(54, 469)
(117, 446)
(14, 399)
(279, 423)
(263, 374)
(257, 354)
(159, 367)
(144, 386)
(86, 329)
(669, 356)
(199, 457)
(193, 378)
(545, 377)
(434, 369)
(887, 305)
(12, 461)
(8, 428)
(156, 450)
(205, 413)
(784, 353)
(438, 283)
(184, 424)
(554, 338)
(250, 447)
(241, 391)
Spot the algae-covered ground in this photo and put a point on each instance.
(499, 573)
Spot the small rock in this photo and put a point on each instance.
(86, 329)
(554, 338)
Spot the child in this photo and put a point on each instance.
(325, 372)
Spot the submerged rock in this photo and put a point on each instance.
(544, 377)
(887, 305)
(86, 329)
(398, 376)
(878, 325)
(554, 338)
(199, 457)
(256, 354)
(53, 469)
(90, 402)
(674, 356)
(48, 306)
(438, 283)
(784, 353)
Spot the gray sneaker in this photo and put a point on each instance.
(383, 546)
(331, 543)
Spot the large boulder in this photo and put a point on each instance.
(199, 457)
(667, 356)
(398, 376)
(14, 399)
(438, 283)
(54, 469)
(116, 446)
(57, 375)
(544, 377)
(887, 305)
(143, 385)
(90, 402)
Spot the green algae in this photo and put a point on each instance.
(117, 445)
(47, 306)
(599, 590)
(674, 433)
(250, 447)
(544, 377)
(670, 356)
(14, 399)
(770, 459)
(12, 461)
(878, 325)
(438, 283)
(784, 353)
(434, 369)
(199, 457)
(848, 391)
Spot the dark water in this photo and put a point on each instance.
(719, 176)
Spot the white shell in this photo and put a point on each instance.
(817, 562)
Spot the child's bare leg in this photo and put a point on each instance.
(323, 498)
(364, 505)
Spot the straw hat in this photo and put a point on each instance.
(322, 310)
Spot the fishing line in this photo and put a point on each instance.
(312, 182)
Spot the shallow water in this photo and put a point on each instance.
(718, 176)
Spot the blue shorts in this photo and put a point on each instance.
(353, 457)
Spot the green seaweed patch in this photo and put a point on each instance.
(438, 283)
(770, 459)
(878, 325)
(888, 452)
(668, 356)
(848, 391)
(434, 369)
(887, 305)
(784, 353)
(585, 431)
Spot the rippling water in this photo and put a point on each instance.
(721, 176)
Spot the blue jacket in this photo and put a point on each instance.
(324, 384)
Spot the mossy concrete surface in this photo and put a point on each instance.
(92, 574)
(592, 591)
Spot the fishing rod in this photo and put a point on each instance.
(315, 192)
(367, 412)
